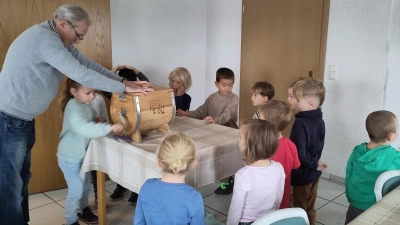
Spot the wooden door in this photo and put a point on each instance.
(15, 17)
(282, 40)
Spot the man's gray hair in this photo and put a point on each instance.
(71, 13)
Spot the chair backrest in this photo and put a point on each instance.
(290, 216)
(386, 182)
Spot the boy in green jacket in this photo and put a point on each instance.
(369, 160)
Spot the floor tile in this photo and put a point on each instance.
(121, 214)
(207, 189)
(341, 200)
(319, 202)
(57, 195)
(38, 200)
(108, 182)
(329, 190)
(217, 215)
(50, 214)
(220, 203)
(91, 201)
(332, 214)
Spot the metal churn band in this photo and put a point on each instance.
(173, 107)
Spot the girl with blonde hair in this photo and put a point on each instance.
(169, 200)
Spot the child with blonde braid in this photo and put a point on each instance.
(169, 200)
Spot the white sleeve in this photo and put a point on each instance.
(99, 107)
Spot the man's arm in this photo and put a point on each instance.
(92, 65)
(57, 56)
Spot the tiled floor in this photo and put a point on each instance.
(48, 208)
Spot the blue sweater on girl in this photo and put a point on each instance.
(168, 203)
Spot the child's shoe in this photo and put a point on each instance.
(225, 188)
(88, 216)
(118, 193)
(76, 223)
(133, 199)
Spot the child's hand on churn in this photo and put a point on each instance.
(116, 128)
(101, 120)
(181, 112)
(322, 166)
(209, 119)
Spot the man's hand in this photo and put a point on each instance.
(322, 166)
(137, 90)
(181, 112)
(209, 119)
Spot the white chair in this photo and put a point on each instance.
(386, 182)
(290, 216)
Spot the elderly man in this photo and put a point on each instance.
(32, 73)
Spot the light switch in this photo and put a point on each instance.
(332, 72)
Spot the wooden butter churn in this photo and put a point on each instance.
(139, 113)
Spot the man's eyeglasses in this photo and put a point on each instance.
(80, 37)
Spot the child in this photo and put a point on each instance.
(170, 200)
(291, 100)
(220, 107)
(308, 134)
(78, 127)
(369, 160)
(180, 81)
(279, 114)
(259, 185)
(261, 93)
(131, 74)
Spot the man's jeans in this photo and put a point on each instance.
(78, 190)
(17, 137)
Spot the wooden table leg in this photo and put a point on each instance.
(101, 194)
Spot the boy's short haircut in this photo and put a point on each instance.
(261, 140)
(309, 87)
(294, 83)
(183, 75)
(263, 88)
(224, 73)
(380, 124)
(278, 113)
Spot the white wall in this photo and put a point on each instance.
(358, 44)
(392, 98)
(224, 27)
(158, 36)
(203, 35)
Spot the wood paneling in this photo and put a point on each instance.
(15, 17)
(282, 40)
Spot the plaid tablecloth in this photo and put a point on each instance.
(385, 212)
(131, 164)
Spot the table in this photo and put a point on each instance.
(131, 164)
(385, 212)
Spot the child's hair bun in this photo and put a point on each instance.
(178, 166)
(176, 153)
